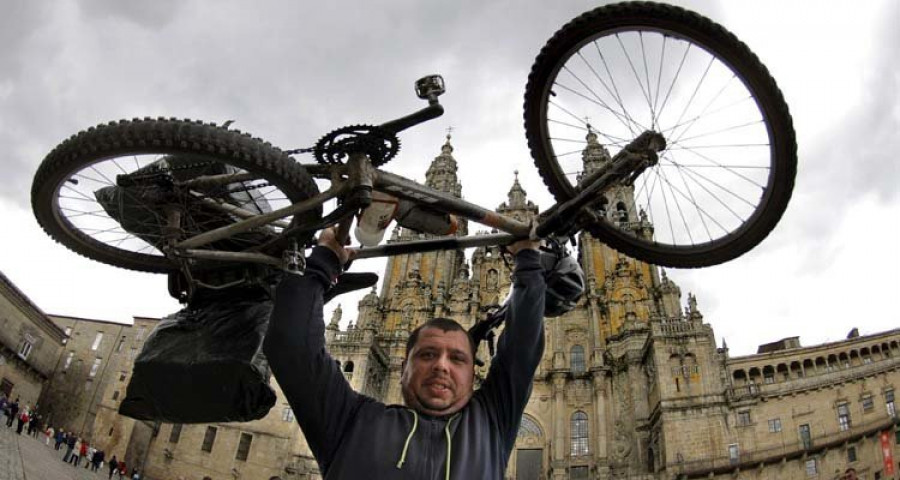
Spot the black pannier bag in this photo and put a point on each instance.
(205, 364)
(137, 201)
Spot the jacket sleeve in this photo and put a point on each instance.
(317, 391)
(520, 347)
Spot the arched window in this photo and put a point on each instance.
(604, 206)
(348, 369)
(529, 427)
(579, 434)
(768, 374)
(576, 357)
(622, 212)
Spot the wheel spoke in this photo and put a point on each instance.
(693, 96)
(145, 219)
(633, 69)
(730, 156)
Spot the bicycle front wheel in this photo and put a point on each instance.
(108, 193)
(727, 173)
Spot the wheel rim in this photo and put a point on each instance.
(85, 213)
(717, 172)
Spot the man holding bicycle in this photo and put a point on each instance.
(447, 429)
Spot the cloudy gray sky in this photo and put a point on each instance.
(291, 71)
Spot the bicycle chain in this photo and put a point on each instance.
(163, 171)
(158, 171)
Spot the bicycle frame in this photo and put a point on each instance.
(353, 183)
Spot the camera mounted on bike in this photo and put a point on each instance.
(430, 87)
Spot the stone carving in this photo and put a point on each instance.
(622, 434)
(576, 335)
(406, 315)
(493, 279)
(578, 395)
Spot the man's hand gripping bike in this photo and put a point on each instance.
(655, 129)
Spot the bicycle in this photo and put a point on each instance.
(702, 165)
(656, 130)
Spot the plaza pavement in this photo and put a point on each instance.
(26, 458)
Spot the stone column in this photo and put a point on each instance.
(599, 433)
(559, 358)
(558, 456)
(641, 408)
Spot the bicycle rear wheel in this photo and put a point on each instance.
(727, 173)
(104, 192)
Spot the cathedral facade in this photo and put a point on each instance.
(632, 384)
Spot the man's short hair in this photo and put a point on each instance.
(443, 324)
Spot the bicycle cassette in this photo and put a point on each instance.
(378, 144)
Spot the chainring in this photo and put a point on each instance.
(379, 144)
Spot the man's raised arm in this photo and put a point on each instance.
(521, 345)
(320, 396)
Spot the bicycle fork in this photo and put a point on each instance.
(624, 169)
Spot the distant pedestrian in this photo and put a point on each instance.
(33, 423)
(89, 458)
(70, 446)
(82, 452)
(123, 470)
(97, 462)
(12, 412)
(113, 466)
(23, 419)
(60, 438)
(49, 433)
(76, 452)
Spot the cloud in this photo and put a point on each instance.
(18, 24)
(151, 15)
(289, 72)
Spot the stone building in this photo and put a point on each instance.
(632, 384)
(92, 350)
(116, 434)
(29, 346)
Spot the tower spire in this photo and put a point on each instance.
(594, 155)
(517, 205)
(441, 174)
(516, 194)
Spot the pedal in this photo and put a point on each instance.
(293, 261)
(430, 87)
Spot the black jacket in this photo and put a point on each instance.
(354, 436)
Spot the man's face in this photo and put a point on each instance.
(439, 373)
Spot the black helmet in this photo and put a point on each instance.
(565, 281)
